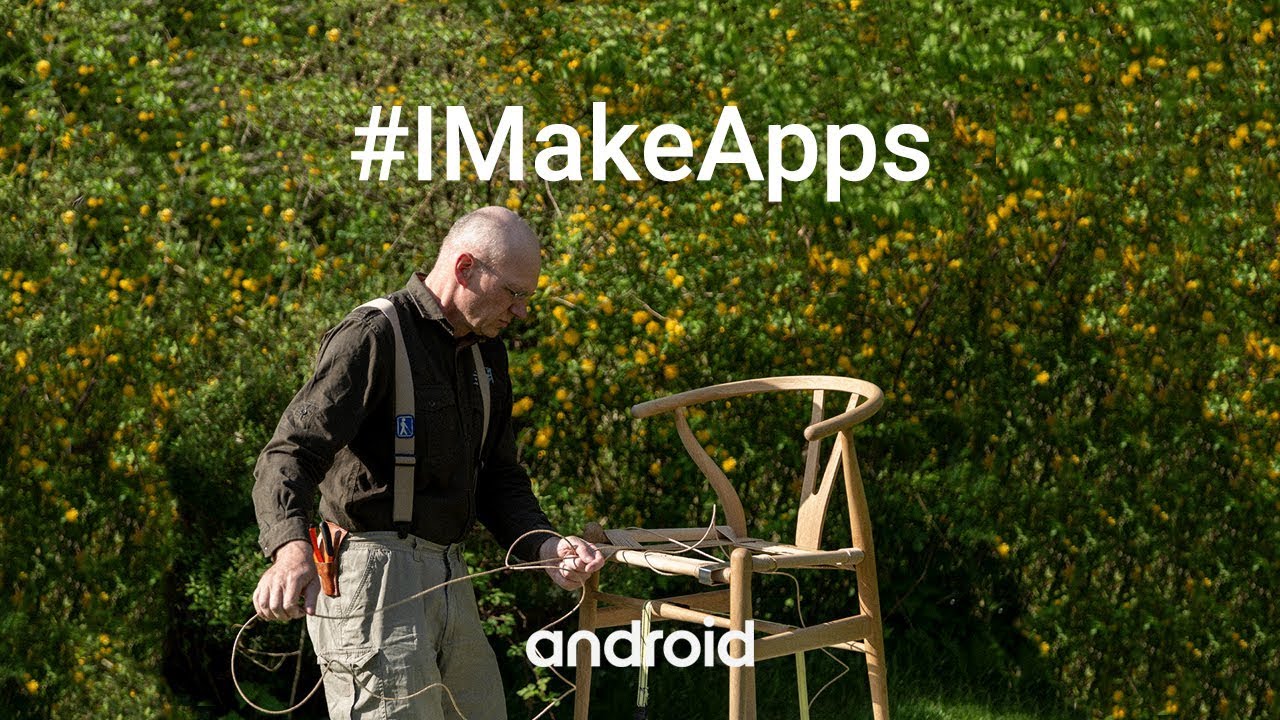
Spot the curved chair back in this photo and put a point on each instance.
(815, 493)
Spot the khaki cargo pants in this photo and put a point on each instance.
(398, 652)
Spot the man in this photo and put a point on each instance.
(338, 435)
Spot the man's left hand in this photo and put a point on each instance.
(578, 558)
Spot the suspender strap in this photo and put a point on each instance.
(482, 377)
(406, 458)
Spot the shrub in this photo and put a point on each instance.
(1073, 314)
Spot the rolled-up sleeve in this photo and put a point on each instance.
(322, 418)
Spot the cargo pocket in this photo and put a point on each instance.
(371, 684)
(342, 626)
(352, 683)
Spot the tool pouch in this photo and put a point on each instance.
(328, 572)
(328, 568)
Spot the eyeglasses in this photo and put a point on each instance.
(515, 294)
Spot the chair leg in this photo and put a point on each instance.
(877, 674)
(868, 588)
(802, 685)
(742, 680)
(582, 676)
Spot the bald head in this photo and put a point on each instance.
(494, 234)
(487, 267)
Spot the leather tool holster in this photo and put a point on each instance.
(328, 571)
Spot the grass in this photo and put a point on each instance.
(923, 685)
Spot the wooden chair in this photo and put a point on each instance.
(665, 550)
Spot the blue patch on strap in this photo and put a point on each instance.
(404, 426)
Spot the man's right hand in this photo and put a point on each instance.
(290, 586)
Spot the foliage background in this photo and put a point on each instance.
(1074, 316)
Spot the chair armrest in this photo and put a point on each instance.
(830, 426)
(845, 420)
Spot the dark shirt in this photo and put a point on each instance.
(339, 430)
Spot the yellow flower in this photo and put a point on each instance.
(333, 35)
(43, 68)
(1042, 377)
(33, 686)
(729, 464)
(543, 439)
(1002, 549)
(522, 406)
(69, 217)
(21, 357)
(71, 515)
(288, 215)
(165, 215)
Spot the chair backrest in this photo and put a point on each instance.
(815, 492)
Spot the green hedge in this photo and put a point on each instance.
(1073, 316)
